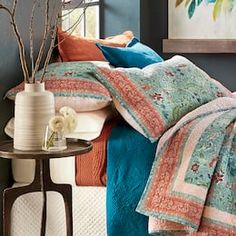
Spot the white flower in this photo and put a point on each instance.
(57, 123)
(68, 111)
(70, 124)
(70, 117)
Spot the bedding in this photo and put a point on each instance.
(72, 86)
(135, 54)
(76, 48)
(192, 183)
(90, 123)
(91, 166)
(129, 160)
(154, 98)
(178, 88)
(89, 213)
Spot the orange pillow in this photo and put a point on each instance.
(76, 48)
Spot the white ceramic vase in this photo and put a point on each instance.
(33, 108)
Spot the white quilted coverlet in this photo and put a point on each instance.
(89, 213)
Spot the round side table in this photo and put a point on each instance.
(42, 181)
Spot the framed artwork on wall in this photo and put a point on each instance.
(201, 26)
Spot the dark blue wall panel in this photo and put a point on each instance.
(120, 15)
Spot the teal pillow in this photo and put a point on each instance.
(135, 54)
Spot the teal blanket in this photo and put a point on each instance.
(129, 160)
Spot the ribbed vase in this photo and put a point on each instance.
(33, 108)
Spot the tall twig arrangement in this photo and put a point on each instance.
(51, 19)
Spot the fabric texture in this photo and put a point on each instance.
(76, 48)
(72, 85)
(129, 160)
(191, 187)
(154, 98)
(89, 213)
(91, 166)
(135, 54)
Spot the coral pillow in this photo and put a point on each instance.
(72, 84)
(76, 48)
(154, 98)
(135, 54)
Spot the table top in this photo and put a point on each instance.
(74, 147)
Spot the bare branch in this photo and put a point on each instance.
(77, 22)
(18, 38)
(51, 47)
(14, 7)
(72, 27)
(5, 9)
(64, 2)
(43, 44)
(73, 9)
(31, 36)
(50, 30)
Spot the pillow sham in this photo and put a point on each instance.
(76, 48)
(135, 54)
(90, 123)
(156, 97)
(72, 85)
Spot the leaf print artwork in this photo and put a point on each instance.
(219, 6)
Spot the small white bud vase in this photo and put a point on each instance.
(33, 108)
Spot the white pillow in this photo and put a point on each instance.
(90, 124)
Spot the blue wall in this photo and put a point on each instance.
(119, 16)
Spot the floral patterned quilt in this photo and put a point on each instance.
(192, 185)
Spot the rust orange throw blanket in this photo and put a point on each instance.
(91, 166)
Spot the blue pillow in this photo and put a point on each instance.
(135, 54)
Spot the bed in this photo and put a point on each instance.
(151, 171)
